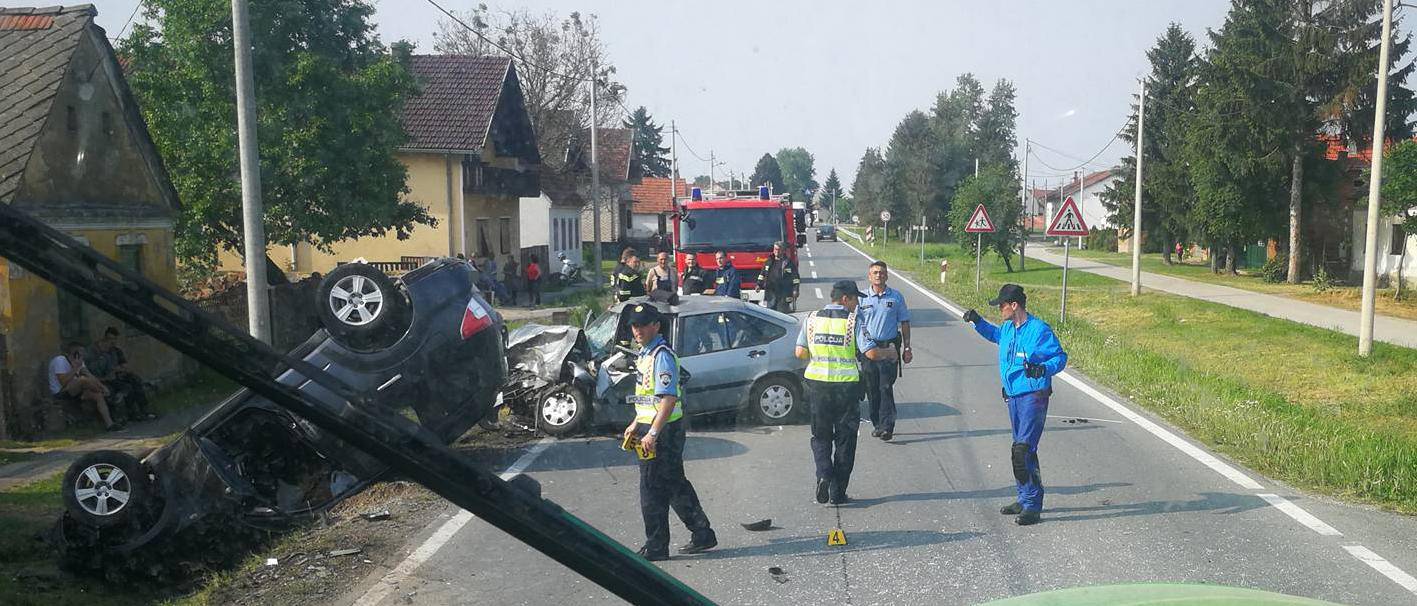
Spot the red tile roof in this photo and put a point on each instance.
(652, 195)
(615, 146)
(457, 99)
(25, 22)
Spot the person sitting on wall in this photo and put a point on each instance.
(70, 380)
(108, 362)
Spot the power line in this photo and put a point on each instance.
(136, 6)
(689, 147)
(504, 49)
(1086, 162)
(1068, 156)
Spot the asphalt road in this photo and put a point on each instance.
(1123, 504)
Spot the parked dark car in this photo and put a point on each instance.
(427, 345)
(826, 232)
(739, 357)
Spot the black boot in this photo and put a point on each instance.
(1012, 509)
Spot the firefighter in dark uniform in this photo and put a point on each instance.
(658, 413)
(830, 341)
(627, 281)
(779, 281)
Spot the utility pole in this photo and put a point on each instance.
(594, 176)
(1023, 214)
(1136, 199)
(712, 184)
(673, 162)
(258, 303)
(976, 167)
(1370, 246)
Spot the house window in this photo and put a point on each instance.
(71, 117)
(504, 225)
(559, 239)
(1398, 240)
(484, 237)
(131, 256)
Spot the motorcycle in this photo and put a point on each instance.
(548, 380)
(569, 273)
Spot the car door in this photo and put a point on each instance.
(753, 338)
(704, 350)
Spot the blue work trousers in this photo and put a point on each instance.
(663, 486)
(1026, 415)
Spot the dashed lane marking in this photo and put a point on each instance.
(1299, 515)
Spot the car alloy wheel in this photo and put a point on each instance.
(559, 408)
(103, 489)
(356, 300)
(776, 402)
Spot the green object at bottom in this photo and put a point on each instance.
(1147, 594)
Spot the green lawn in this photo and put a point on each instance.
(1344, 297)
(1291, 401)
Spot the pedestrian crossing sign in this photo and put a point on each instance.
(836, 537)
(979, 222)
(1068, 221)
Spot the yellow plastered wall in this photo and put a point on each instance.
(32, 324)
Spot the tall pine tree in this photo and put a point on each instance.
(650, 158)
(868, 190)
(1166, 192)
(767, 172)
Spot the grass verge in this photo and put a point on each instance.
(1291, 401)
(1343, 297)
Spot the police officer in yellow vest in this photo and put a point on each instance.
(829, 341)
(658, 404)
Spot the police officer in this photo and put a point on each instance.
(778, 280)
(627, 281)
(726, 282)
(1029, 356)
(888, 322)
(830, 341)
(658, 411)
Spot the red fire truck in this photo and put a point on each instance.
(743, 223)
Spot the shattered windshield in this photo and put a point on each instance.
(365, 302)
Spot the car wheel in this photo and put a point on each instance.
(775, 400)
(104, 488)
(361, 307)
(561, 411)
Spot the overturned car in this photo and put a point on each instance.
(427, 346)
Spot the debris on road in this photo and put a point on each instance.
(344, 552)
(759, 525)
(778, 574)
(375, 516)
(272, 562)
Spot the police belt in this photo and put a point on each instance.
(1045, 392)
(900, 366)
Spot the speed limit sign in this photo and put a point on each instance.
(885, 215)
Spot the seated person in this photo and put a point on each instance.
(108, 362)
(69, 379)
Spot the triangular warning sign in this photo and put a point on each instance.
(979, 222)
(836, 537)
(1068, 221)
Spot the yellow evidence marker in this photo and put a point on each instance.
(632, 442)
(836, 537)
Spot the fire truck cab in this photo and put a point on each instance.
(745, 224)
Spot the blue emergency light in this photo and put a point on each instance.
(696, 194)
(763, 192)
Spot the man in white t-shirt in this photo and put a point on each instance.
(70, 379)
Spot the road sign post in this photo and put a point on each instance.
(979, 224)
(885, 226)
(922, 229)
(1066, 224)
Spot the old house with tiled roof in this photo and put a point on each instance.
(471, 155)
(652, 202)
(75, 153)
(615, 150)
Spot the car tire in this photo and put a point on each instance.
(562, 411)
(775, 400)
(362, 307)
(105, 488)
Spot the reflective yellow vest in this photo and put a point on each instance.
(645, 401)
(831, 339)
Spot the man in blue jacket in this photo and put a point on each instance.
(726, 283)
(1029, 356)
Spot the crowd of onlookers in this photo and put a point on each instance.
(99, 376)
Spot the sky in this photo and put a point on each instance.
(743, 78)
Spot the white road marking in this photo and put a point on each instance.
(1085, 419)
(812, 263)
(1299, 515)
(814, 272)
(818, 291)
(1191, 450)
(1379, 564)
(440, 537)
